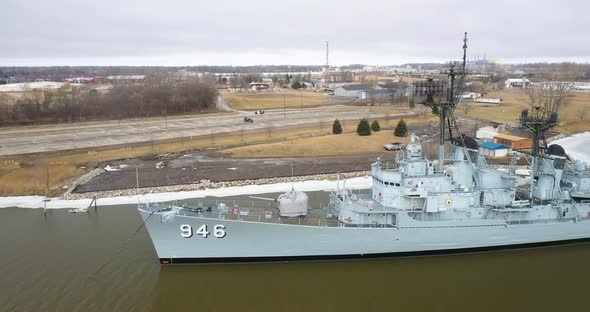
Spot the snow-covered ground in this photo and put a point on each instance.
(577, 146)
(306, 186)
(24, 86)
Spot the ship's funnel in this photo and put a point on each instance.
(556, 150)
(462, 169)
(468, 142)
(549, 174)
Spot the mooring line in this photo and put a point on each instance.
(121, 248)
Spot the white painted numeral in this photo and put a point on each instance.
(186, 231)
(219, 231)
(203, 231)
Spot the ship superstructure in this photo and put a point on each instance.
(416, 206)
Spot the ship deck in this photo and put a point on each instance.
(253, 211)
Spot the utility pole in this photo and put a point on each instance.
(327, 76)
(47, 179)
(301, 98)
(166, 113)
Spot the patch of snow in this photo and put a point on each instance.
(576, 146)
(109, 168)
(305, 186)
(232, 168)
(78, 210)
(25, 86)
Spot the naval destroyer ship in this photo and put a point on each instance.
(457, 203)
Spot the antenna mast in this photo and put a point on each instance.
(327, 63)
(445, 109)
(327, 55)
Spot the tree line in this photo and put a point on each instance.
(60, 72)
(157, 96)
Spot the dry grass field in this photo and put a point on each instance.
(274, 99)
(332, 145)
(514, 101)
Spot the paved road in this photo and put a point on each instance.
(55, 138)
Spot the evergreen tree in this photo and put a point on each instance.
(375, 126)
(363, 127)
(296, 85)
(336, 127)
(401, 130)
(412, 104)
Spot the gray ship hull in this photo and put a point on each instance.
(246, 241)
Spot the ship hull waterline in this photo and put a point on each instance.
(246, 241)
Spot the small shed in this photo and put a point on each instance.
(491, 149)
(514, 142)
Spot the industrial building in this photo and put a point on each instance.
(517, 83)
(351, 90)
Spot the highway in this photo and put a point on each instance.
(25, 140)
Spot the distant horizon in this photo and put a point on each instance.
(518, 61)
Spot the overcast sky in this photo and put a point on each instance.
(239, 32)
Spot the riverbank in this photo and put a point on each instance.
(357, 180)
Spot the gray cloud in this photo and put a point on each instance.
(177, 32)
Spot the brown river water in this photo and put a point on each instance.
(47, 261)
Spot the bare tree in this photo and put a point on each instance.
(371, 91)
(465, 106)
(549, 96)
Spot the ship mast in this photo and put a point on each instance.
(432, 88)
(542, 117)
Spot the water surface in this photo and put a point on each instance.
(47, 261)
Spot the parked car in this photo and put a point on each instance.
(395, 146)
(248, 119)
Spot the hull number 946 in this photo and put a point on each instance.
(186, 231)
